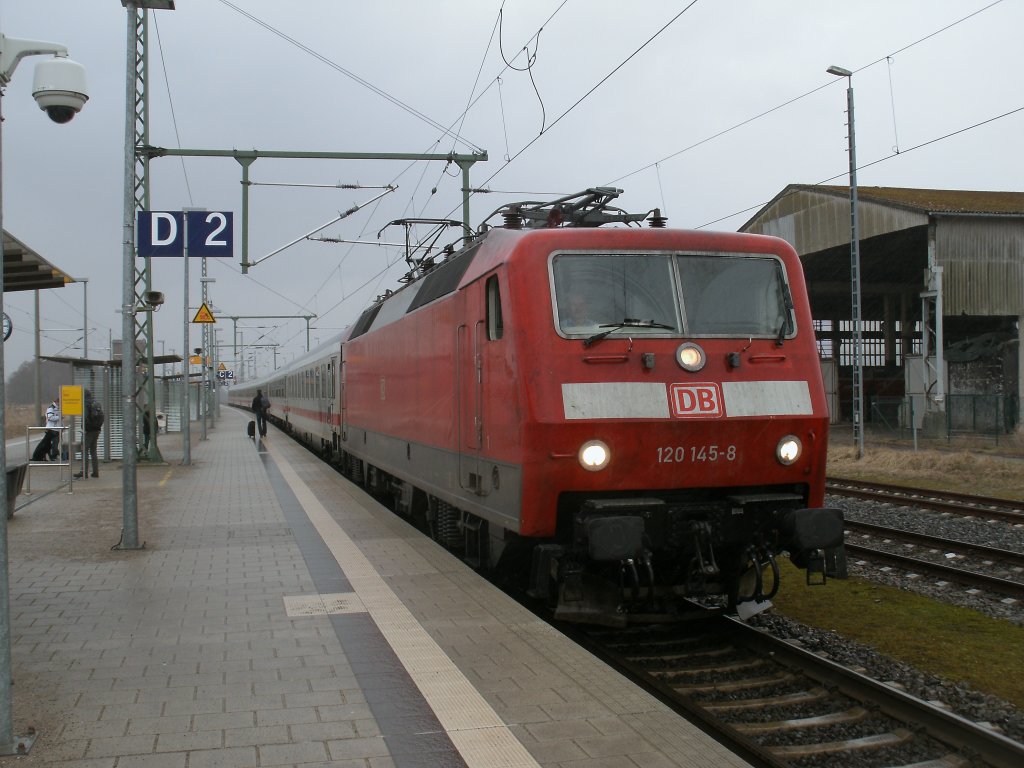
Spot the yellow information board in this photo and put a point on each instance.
(71, 400)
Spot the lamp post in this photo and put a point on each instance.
(59, 89)
(858, 331)
(85, 315)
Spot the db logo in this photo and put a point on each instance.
(695, 400)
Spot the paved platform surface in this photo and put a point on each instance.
(278, 616)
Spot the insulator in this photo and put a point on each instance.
(657, 221)
(512, 219)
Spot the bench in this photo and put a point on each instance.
(15, 482)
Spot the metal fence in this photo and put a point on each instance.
(966, 415)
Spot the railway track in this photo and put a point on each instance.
(779, 705)
(989, 507)
(989, 568)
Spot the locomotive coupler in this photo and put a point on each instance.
(702, 540)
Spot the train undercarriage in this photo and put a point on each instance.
(620, 559)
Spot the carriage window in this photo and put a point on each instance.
(596, 289)
(735, 296)
(495, 322)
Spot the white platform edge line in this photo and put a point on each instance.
(396, 623)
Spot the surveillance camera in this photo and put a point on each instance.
(154, 298)
(59, 88)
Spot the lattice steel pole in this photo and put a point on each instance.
(137, 281)
(143, 329)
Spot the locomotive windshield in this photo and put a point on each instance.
(665, 293)
(592, 290)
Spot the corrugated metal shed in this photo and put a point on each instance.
(978, 240)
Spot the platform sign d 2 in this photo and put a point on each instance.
(166, 233)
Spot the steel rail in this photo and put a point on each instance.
(991, 583)
(957, 503)
(938, 542)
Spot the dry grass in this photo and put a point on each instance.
(17, 417)
(964, 470)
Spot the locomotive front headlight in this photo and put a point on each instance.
(690, 357)
(788, 450)
(594, 455)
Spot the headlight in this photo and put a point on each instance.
(690, 357)
(594, 455)
(788, 450)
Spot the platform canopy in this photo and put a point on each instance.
(26, 270)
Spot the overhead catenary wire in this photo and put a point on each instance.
(566, 112)
(593, 88)
(317, 186)
(793, 100)
(170, 103)
(351, 75)
(891, 156)
(892, 104)
(583, 97)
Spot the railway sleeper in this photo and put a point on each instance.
(784, 700)
(852, 715)
(732, 667)
(895, 738)
(747, 684)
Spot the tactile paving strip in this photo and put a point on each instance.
(482, 738)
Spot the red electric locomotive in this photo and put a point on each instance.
(623, 415)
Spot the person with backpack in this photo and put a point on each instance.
(92, 422)
(48, 447)
(260, 406)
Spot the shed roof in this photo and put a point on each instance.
(26, 270)
(933, 200)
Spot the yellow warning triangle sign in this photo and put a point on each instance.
(221, 367)
(204, 315)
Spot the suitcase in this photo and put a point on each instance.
(251, 429)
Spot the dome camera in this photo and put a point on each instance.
(59, 88)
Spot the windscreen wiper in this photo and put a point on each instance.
(627, 322)
(787, 300)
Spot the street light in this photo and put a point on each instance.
(59, 89)
(85, 315)
(858, 351)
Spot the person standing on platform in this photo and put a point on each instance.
(50, 444)
(145, 430)
(92, 422)
(260, 406)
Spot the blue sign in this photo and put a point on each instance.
(159, 233)
(166, 233)
(210, 233)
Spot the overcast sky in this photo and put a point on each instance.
(705, 109)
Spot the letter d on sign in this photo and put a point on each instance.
(172, 228)
(160, 233)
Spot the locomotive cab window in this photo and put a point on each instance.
(495, 323)
(735, 295)
(597, 291)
